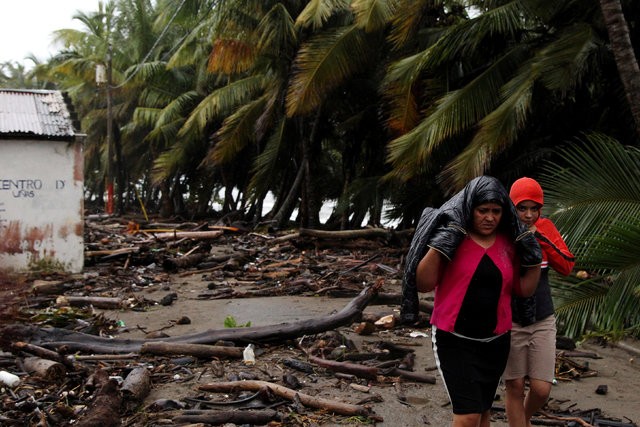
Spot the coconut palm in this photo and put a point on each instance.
(624, 55)
(596, 188)
(495, 85)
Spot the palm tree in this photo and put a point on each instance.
(624, 55)
(504, 85)
(596, 188)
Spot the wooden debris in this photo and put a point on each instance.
(334, 406)
(136, 386)
(247, 417)
(48, 370)
(199, 350)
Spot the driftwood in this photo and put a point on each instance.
(46, 369)
(213, 417)
(136, 386)
(77, 341)
(334, 406)
(199, 235)
(44, 353)
(48, 287)
(366, 233)
(98, 302)
(578, 420)
(369, 372)
(111, 252)
(104, 411)
(173, 264)
(198, 350)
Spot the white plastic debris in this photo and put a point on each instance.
(248, 355)
(9, 379)
(416, 334)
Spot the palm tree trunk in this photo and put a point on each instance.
(281, 218)
(624, 55)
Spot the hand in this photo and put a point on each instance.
(446, 239)
(528, 249)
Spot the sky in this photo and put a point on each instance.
(26, 26)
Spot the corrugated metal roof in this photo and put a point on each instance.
(34, 112)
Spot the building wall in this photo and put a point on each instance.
(41, 205)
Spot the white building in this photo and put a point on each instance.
(41, 183)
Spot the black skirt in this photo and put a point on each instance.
(471, 369)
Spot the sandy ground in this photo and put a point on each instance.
(403, 404)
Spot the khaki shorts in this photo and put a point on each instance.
(533, 351)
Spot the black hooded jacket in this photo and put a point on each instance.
(447, 225)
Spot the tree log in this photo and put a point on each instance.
(198, 235)
(46, 369)
(213, 417)
(334, 406)
(370, 372)
(98, 302)
(203, 351)
(105, 409)
(136, 386)
(77, 341)
(173, 264)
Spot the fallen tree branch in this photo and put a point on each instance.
(217, 418)
(77, 341)
(198, 350)
(578, 420)
(370, 372)
(334, 406)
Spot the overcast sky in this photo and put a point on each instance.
(26, 26)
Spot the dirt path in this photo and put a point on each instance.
(401, 403)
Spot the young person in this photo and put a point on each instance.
(474, 253)
(533, 337)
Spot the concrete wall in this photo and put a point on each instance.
(41, 205)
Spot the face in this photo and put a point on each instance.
(486, 218)
(528, 212)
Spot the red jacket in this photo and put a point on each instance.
(555, 253)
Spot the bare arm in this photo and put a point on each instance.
(428, 270)
(529, 281)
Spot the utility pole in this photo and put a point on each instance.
(110, 150)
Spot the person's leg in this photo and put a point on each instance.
(514, 403)
(485, 420)
(536, 398)
(466, 420)
(542, 360)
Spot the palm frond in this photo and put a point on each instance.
(498, 130)
(323, 63)
(276, 31)
(237, 130)
(462, 40)
(576, 303)
(231, 56)
(265, 168)
(595, 189)
(317, 12)
(374, 15)
(558, 66)
(406, 21)
(601, 187)
(222, 101)
(562, 63)
(456, 112)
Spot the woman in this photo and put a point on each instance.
(533, 338)
(475, 248)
